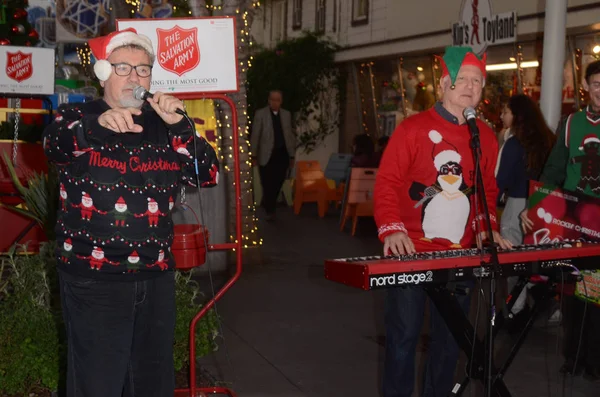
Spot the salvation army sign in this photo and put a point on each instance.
(479, 27)
(178, 50)
(193, 55)
(25, 70)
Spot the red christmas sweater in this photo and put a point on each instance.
(117, 190)
(425, 182)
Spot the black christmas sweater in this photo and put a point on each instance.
(117, 190)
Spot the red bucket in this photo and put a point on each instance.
(189, 243)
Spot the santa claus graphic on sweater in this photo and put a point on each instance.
(97, 259)
(133, 262)
(152, 213)
(121, 213)
(87, 207)
(62, 195)
(66, 251)
(161, 263)
(180, 146)
(446, 206)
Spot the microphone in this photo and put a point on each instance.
(142, 94)
(471, 118)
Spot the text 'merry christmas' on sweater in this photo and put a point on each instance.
(117, 190)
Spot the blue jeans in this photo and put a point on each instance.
(120, 336)
(404, 312)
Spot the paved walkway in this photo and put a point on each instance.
(289, 332)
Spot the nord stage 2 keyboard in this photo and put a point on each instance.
(373, 272)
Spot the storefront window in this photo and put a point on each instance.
(392, 89)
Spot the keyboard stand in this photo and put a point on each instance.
(463, 332)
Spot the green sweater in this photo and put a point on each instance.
(561, 169)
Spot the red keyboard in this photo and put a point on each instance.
(373, 272)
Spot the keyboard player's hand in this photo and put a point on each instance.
(398, 244)
(498, 239)
(526, 223)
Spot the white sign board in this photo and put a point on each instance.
(479, 27)
(193, 55)
(26, 70)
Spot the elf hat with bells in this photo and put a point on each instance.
(102, 47)
(455, 57)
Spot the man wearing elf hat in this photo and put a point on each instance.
(118, 302)
(574, 164)
(424, 202)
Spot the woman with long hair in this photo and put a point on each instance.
(528, 143)
(522, 159)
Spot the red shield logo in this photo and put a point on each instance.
(178, 49)
(19, 66)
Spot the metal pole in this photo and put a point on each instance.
(401, 79)
(375, 116)
(554, 59)
(575, 74)
(359, 114)
(519, 70)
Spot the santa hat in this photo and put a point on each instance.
(121, 200)
(443, 151)
(84, 195)
(97, 250)
(103, 46)
(68, 241)
(589, 138)
(134, 254)
(62, 186)
(171, 199)
(456, 57)
(151, 201)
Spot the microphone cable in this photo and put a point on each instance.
(205, 238)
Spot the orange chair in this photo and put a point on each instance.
(310, 186)
(359, 196)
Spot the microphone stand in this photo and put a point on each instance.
(494, 262)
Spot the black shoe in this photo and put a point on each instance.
(567, 368)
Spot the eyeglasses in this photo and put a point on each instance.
(124, 69)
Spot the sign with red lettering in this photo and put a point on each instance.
(193, 55)
(19, 66)
(562, 216)
(23, 70)
(178, 50)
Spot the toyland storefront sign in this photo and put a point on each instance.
(193, 55)
(479, 27)
(24, 70)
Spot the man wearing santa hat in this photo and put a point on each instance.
(423, 201)
(118, 302)
(574, 164)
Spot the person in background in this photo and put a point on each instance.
(423, 202)
(363, 152)
(578, 137)
(273, 145)
(522, 158)
(381, 143)
(121, 160)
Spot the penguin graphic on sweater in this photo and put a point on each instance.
(446, 205)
